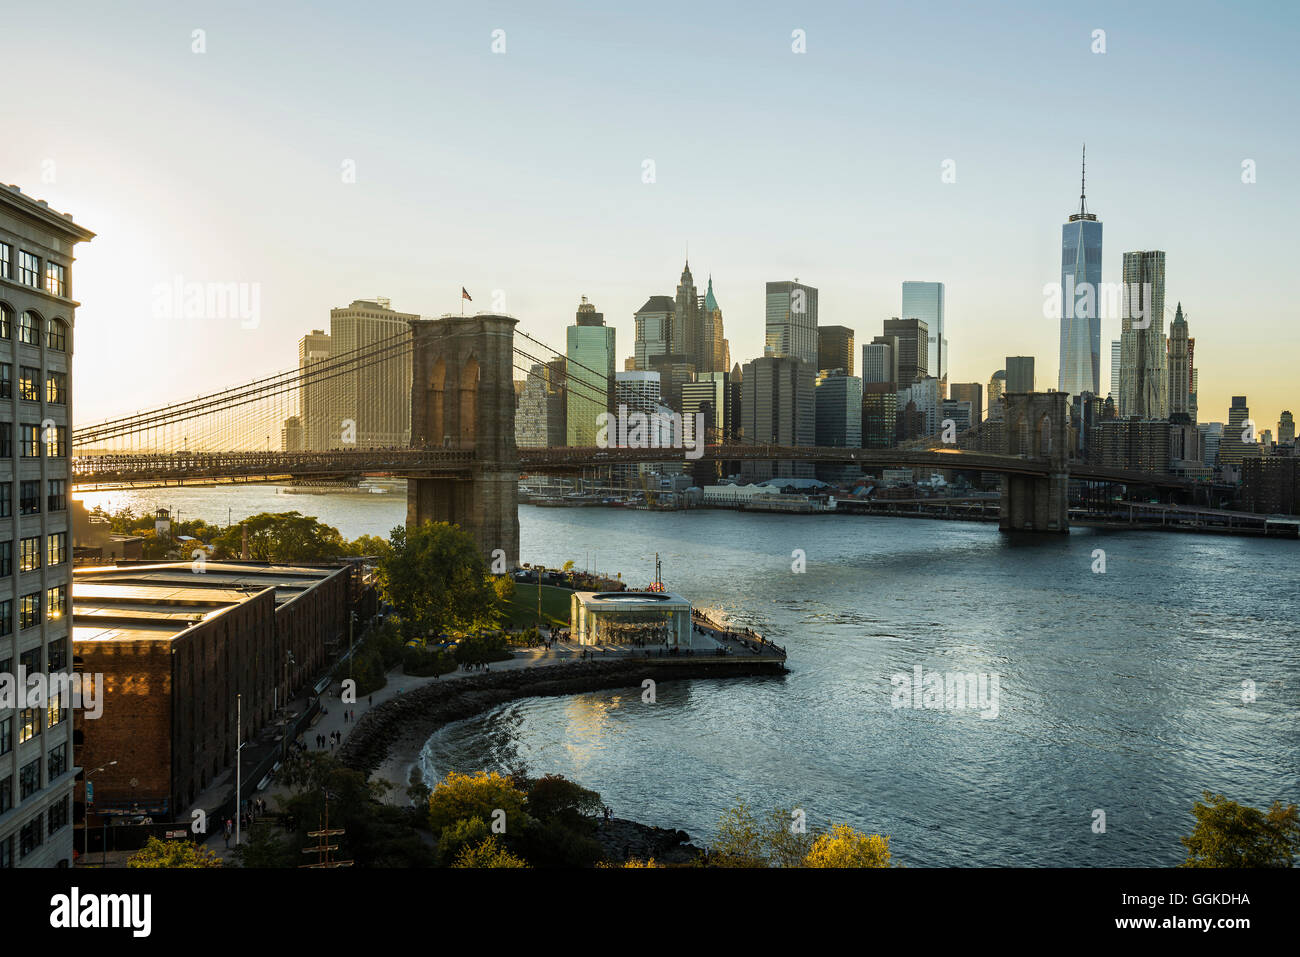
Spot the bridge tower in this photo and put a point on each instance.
(463, 397)
(1037, 427)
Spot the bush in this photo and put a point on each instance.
(474, 651)
(422, 662)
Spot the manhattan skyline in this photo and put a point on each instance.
(253, 191)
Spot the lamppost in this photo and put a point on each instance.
(85, 824)
(352, 621)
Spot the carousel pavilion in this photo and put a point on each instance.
(634, 618)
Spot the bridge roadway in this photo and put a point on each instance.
(198, 468)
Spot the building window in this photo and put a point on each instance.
(6, 735)
(29, 554)
(6, 616)
(29, 269)
(58, 335)
(31, 442)
(55, 279)
(6, 499)
(29, 725)
(29, 497)
(6, 440)
(6, 793)
(58, 815)
(28, 390)
(58, 497)
(29, 329)
(6, 561)
(6, 380)
(56, 388)
(56, 441)
(30, 837)
(29, 610)
(6, 845)
(56, 602)
(56, 551)
(55, 712)
(57, 655)
(6, 260)
(30, 661)
(6, 316)
(58, 762)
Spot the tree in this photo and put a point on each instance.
(455, 838)
(368, 546)
(740, 841)
(461, 796)
(437, 580)
(489, 853)
(283, 537)
(555, 797)
(159, 853)
(1228, 834)
(845, 847)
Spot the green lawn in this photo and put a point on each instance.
(523, 609)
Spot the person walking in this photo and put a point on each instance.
(230, 827)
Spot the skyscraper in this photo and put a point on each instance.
(589, 351)
(880, 360)
(912, 357)
(792, 322)
(835, 349)
(539, 420)
(716, 350)
(1286, 428)
(374, 395)
(654, 329)
(1080, 369)
(973, 393)
(1020, 373)
(315, 412)
(778, 408)
(1143, 388)
(839, 410)
(1180, 369)
(1116, 352)
(1239, 440)
(997, 386)
(924, 301)
(879, 415)
(687, 332)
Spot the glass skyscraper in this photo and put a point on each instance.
(590, 375)
(791, 322)
(924, 301)
(1080, 369)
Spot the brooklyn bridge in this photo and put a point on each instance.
(461, 462)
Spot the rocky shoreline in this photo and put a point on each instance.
(386, 741)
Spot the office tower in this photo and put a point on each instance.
(712, 394)
(791, 322)
(1179, 361)
(589, 351)
(835, 349)
(912, 358)
(778, 408)
(372, 400)
(654, 329)
(1271, 486)
(924, 301)
(1116, 351)
(316, 394)
(291, 436)
(838, 420)
(1211, 439)
(1143, 389)
(1286, 429)
(973, 393)
(686, 327)
(1239, 440)
(1080, 369)
(880, 360)
(997, 387)
(674, 371)
(539, 419)
(715, 356)
(1020, 373)
(37, 766)
(924, 395)
(879, 415)
(959, 411)
(638, 392)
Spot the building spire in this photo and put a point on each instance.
(1083, 180)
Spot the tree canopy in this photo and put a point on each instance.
(1228, 834)
(436, 578)
(160, 853)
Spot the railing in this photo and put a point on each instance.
(183, 466)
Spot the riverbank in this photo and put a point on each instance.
(386, 741)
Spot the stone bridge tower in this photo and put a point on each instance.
(463, 397)
(1037, 427)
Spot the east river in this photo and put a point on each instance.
(1124, 692)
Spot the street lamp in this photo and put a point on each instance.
(85, 824)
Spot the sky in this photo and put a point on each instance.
(330, 151)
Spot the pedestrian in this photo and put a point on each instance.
(370, 701)
(229, 828)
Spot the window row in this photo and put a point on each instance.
(30, 439)
(29, 496)
(32, 328)
(29, 271)
(29, 384)
(29, 552)
(32, 611)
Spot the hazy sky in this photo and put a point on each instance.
(522, 171)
